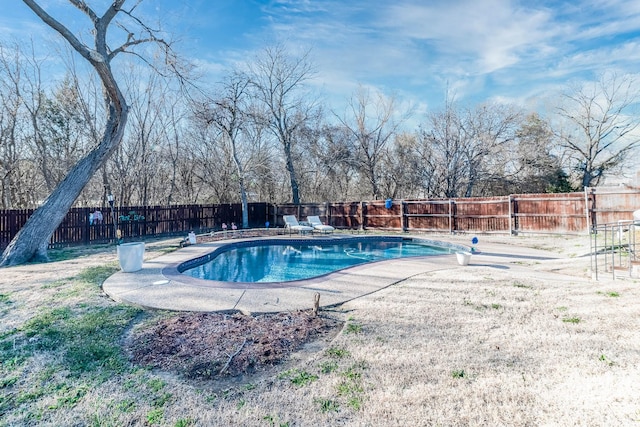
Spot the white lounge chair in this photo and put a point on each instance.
(315, 222)
(291, 222)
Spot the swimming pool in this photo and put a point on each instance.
(287, 260)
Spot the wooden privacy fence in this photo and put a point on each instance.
(135, 221)
(567, 213)
(564, 213)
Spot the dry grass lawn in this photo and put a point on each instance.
(474, 346)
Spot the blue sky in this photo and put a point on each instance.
(498, 50)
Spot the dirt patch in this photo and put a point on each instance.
(219, 346)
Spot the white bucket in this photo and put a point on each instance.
(131, 256)
(636, 215)
(463, 257)
(192, 238)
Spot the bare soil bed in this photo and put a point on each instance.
(207, 346)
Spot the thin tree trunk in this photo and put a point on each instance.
(295, 191)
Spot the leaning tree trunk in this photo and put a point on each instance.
(32, 240)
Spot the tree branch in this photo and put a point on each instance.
(88, 54)
(226, 365)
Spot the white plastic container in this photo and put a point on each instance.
(463, 257)
(131, 256)
(192, 238)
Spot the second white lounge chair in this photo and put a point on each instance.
(315, 222)
(291, 223)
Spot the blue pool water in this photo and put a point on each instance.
(278, 262)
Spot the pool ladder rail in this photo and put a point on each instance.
(615, 250)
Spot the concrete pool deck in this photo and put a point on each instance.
(153, 287)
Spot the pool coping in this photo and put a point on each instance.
(154, 286)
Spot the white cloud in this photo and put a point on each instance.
(625, 55)
(488, 35)
(596, 19)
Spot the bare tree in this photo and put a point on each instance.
(467, 148)
(371, 124)
(443, 147)
(175, 154)
(32, 240)
(334, 171)
(213, 166)
(491, 133)
(279, 82)
(137, 164)
(403, 168)
(10, 141)
(24, 102)
(58, 132)
(599, 127)
(533, 167)
(228, 113)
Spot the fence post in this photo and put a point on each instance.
(327, 213)
(274, 210)
(511, 230)
(403, 220)
(586, 210)
(451, 225)
(592, 214)
(362, 204)
(87, 226)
